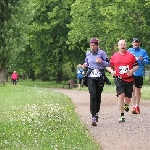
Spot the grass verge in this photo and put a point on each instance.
(33, 118)
(107, 88)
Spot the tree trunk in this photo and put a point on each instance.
(59, 77)
(3, 75)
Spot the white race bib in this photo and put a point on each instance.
(123, 69)
(95, 73)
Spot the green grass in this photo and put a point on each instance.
(39, 83)
(33, 118)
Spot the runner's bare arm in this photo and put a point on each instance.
(110, 69)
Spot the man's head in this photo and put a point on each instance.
(136, 43)
(122, 46)
(93, 44)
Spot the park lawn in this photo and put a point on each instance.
(107, 88)
(32, 117)
(39, 119)
(38, 83)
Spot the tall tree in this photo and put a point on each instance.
(49, 33)
(108, 20)
(13, 15)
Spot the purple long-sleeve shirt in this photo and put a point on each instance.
(90, 60)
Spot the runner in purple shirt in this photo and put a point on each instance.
(96, 61)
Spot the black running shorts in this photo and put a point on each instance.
(138, 81)
(124, 87)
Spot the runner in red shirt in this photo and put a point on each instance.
(123, 64)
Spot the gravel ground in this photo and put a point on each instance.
(133, 134)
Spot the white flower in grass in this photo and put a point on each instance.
(6, 142)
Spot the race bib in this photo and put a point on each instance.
(123, 69)
(95, 73)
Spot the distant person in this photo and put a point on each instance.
(14, 78)
(80, 73)
(122, 66)
(142, 58)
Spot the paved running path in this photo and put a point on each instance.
(134, 134)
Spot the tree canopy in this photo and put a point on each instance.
(47, 39)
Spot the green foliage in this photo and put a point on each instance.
(68, 72)
(48, 34)
(109, 21)
(14, 26)
(38, 38)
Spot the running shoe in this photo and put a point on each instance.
(93, 121)
(96, 118)
(79, 89)
(133, 110)
(117, 94)
(122, 119)
(137, 110)
(126, 107)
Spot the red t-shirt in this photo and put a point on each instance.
(123, 63)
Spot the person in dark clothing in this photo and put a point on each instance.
(107, 80)
(95, 61)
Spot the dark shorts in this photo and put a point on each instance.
(138, 81)
(124, 87)
(79, 80)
